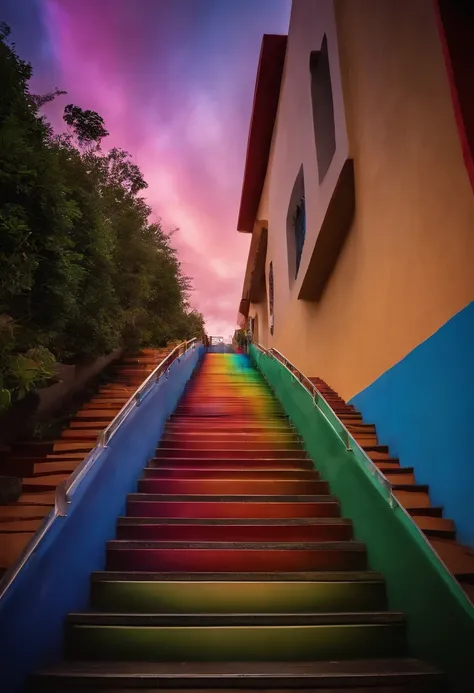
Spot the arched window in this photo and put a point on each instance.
(323, 108)
(270, 296)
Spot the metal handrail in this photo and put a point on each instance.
(351, 444)
(65, 490)
(347, 438)
(134, 401)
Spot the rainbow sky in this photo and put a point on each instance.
(173, 80)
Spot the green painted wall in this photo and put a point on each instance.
(440, 617)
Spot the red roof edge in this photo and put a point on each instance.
(264, 110)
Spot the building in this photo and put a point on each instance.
(358, 193)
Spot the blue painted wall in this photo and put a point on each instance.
(56, 580)
(424, 410)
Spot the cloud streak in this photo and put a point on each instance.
(174, 83)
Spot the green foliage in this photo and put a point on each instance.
(88, 126)
(240, 338)
(82, 270)
(20, 372)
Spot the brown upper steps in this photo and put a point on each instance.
(414, 497)
(43, 465)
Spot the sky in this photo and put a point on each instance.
(174, 82)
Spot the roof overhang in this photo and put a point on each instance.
(265, 106)
(254, 282)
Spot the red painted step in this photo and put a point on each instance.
(251, 557)
(206, 444)
(322, 530)
(209, 509)
(226, 463)
(270, 487)
(229, 453)
(190, 473)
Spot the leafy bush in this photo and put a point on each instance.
(82, 270)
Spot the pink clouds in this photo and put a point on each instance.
(178, 98)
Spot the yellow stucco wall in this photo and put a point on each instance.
(407, 264)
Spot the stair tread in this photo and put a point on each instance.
(259, 522)
(231, 619)
(458, 558)
(312, 576)
(238, 545)
(376, 667)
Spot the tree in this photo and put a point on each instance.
(82, 269)
(88, 126)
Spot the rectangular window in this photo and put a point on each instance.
(270, 297)
(300, 231)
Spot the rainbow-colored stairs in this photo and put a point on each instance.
(233, 567)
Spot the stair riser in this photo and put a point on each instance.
(190, 426)
(231, 464)
(205, 444)
(73, 446)
(255, 418)
(231, 397)
(219, 684)
(412, 499)
(90, 424)
(400, 478)
(233, 560)
(237, 597)
(230, 452)
(223, 487)
(250, 474)
(260, 643)
(235, 437)
(39, 486)
(211, 510)
(363, 439)
(246, 405)
(227, 533)
(81, 434)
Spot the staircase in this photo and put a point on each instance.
(414, 497)
(43, 465)
(233, 567)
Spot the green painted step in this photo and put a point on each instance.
(212, 596)
(235, 643)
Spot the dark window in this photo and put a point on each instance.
(296, 225)
(270, 291)
(299, 225)
(323, 108)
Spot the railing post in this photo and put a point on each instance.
(61, 499)
(347, 439)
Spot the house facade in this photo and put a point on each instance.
(358, 195)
